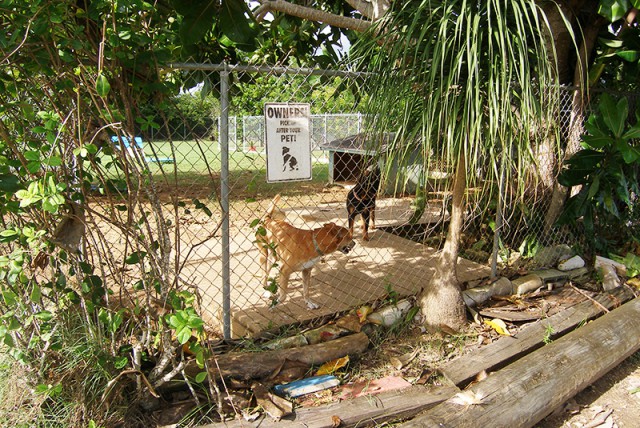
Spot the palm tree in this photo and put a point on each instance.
(469, 83)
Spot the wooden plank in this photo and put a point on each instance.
(523, 393)
(256, 365)
(364, 411)
(463, 369)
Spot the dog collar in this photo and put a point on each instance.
(315, 245)
(358, 198)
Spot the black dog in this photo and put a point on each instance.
(362, 200)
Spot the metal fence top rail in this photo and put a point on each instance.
(266, 69)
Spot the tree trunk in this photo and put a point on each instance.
(579, 101)
(441, 300)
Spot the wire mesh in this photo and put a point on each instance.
(386, 265)
(188, 167)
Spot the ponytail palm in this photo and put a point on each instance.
(466, 83)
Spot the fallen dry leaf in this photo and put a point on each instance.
(635, 282)
(403, 360)
(425, 376)
(498, 325)
(350, 322)
(363, 312)
(332, 366)
(335, 421)
(467, 398)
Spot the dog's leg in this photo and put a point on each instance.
(264, 266)
(306, 280)
(283, 284)
(352, 218)
(366, 214)
(373, 218)
(264, 262)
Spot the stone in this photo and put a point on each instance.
(526, 284)
(575, 262)
(551, 275)
(610, 278)
(475, 296)
(549, 256)
(620, 268)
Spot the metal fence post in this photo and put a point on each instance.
(224, 201)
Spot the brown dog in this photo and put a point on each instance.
(297, 249)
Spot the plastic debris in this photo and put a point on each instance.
(391, 314)
(306, 386)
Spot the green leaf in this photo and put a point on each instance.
(9, 297)
(599, 142)
(102, 85)
(198, 19)
(594, 187)
(632, 133)
(614, 115)
(234, 23)
(135, 257)
(630, 154)
(36, 294)
(200, 377)
(183, 334)
(44, 316)
(32, 155)
(613, 9)
(579, 167)
(629, 55)
(195, 322)
(9, 234)
(200, 357)
(120, 362)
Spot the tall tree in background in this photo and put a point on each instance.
(465, 81)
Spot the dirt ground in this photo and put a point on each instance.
(611, 402)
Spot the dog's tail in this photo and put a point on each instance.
(272, 212)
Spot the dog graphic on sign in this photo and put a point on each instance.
(288, 160)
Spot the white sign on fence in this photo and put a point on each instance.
(288, 142)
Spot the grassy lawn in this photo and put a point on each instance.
(196, 170)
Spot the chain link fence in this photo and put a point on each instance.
(214, 194)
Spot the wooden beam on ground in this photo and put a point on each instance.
(256, 365)
(464, 369)
(523, 393)
(371, 410)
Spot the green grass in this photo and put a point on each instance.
(197, 165)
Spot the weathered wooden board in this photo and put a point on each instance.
(361, 412)
(506, 349)
(526, 391)
(256, 365)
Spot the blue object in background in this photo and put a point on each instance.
(306, 386)
(126, 142)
